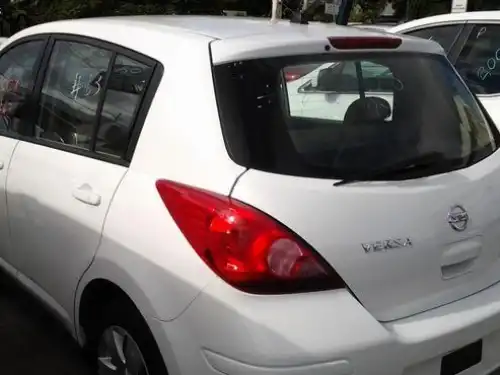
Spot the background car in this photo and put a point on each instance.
(472, 43)
(374, 26)
(299, 71)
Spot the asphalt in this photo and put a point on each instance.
(32, 342)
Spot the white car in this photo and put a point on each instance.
(472, 43)
(168, 196)
(382, 27)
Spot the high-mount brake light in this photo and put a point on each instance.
(245, 247)
(372, 42)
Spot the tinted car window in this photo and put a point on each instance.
(479, 60)
(71, 92)
(474, 6)
(126, 87)
(17, 79)
(444, 35)
(376, 78)
(347, 125)
(299, 71)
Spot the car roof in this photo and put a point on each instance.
(450, 17)
(213, 27)
(241, 34)
(373, 26)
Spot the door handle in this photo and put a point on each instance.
(1, 165)
(85, 195)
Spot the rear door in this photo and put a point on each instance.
(64, 176)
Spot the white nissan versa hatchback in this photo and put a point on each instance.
(185, 208)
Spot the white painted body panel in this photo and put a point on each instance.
(7, 147)
(366, 212)
(55, 228)
(492, 104)
(323, 334)
(448, 18)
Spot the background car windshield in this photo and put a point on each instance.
(349, 116)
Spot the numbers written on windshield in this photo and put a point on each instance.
(83, 88)
(485, 71)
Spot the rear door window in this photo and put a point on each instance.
(479, 60)
(92, 99)
(444, 35)
(126, 87)
(351, 115)
(70, 94)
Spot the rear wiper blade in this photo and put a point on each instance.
(417, 162)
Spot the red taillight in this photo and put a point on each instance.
(373, 42)
(290, 76)
(245, 247)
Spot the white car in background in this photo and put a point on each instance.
(247, 215)
(472, 43)
(374, 26)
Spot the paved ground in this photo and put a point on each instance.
(31, 341)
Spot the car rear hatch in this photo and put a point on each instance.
(380, 159)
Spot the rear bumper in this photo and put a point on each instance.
(228, 332)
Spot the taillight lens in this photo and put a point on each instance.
(291, 76)
(371, 42)
(245, 247)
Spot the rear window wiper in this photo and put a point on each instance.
(421, 161)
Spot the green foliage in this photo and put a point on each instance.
(367, 11)
(51, 10)
(420, 8)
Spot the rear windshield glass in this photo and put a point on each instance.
(347, 116)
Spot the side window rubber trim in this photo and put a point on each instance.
(460, 43)
(100, 104)
(143, 107)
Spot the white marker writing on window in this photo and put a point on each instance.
(77, 86)
(484, 72)
(481, 32)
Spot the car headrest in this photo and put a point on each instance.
(367, 110)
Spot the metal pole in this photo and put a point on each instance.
(344, 12)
